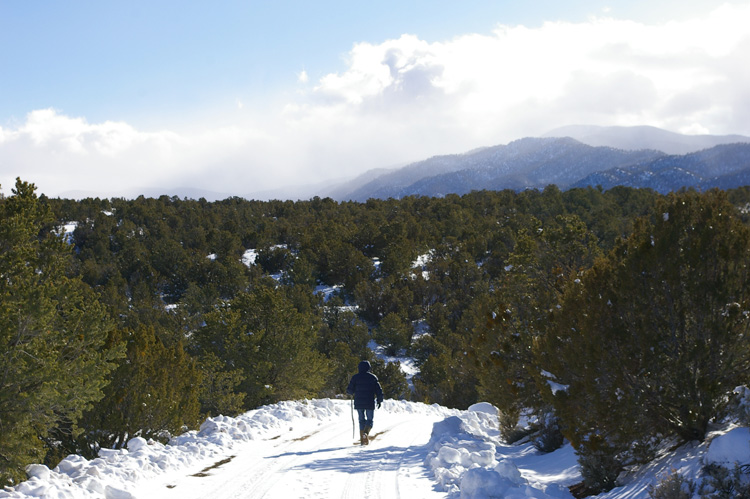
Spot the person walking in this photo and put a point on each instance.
(366, 389)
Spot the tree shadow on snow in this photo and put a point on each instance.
(367, 459)
(306, 453)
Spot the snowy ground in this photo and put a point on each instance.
(305, 449)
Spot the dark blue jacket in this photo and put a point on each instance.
(365, 387)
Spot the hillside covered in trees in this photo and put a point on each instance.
(617, 318)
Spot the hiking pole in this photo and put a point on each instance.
(352, 418)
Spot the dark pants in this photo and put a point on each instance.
(365, 418)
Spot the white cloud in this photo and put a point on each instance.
(605, 71)
(406, 99)
(693, 129)
(59, 153)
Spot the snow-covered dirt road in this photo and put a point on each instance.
(316, 460)
(305, 449)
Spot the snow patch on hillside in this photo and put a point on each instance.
(249, 257)
(66, 232)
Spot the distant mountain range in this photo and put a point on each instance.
(569, 157)
(572, 156)
(643, 137)
(723, 166)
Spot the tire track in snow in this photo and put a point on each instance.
(320, 462)
(328, 438)
(392, 459)
(255, 470)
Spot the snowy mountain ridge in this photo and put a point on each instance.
(525, 163)
(723, 166)
(643, 137)
(588, 156)
(570, 156)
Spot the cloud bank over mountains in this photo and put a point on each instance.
(407, 99)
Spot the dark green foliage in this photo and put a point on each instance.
(448, 378)
(720, 482)
(301, 272)
(672, 486)
(274, 259)
(517, 314)
(219, 388)
(54, 360)
(343, 340)
(391, 378)
(262, 338)
(510, 431)
(654, 337)
(388, 295)
(600, 467)
(153, 393)
(393, 334)
(547, 435)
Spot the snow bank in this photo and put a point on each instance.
(725, 447)
(730, 448)
(486, 408)
(115, 472)
(464, 460)
(465, 455)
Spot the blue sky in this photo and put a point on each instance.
(238, 97)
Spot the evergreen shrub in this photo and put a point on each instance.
(672, 486)
(548, 436)
(721, 482)
(600, 468)
(510, 431)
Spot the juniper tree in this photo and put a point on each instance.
(343, 340)
(263, 339)
(516, 315)
(153, 393)
(392, 379)
(393, 333)
(652, 339)
(53, 360)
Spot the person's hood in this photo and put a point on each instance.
(364, 366)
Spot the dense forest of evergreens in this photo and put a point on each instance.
(616, 317)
